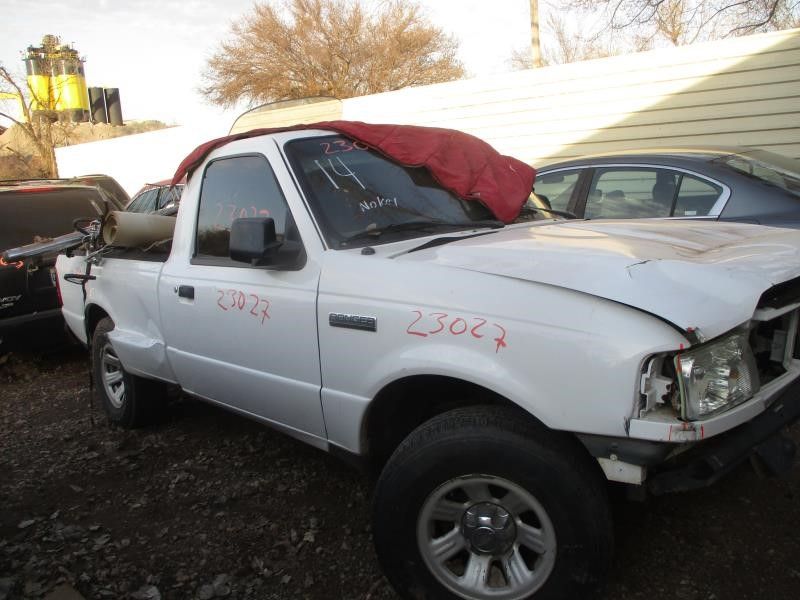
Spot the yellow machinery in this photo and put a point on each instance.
(56, 80)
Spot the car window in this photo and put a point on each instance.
(631, 192)
(151, 201)
(236, 187)
(557, 188)
(144, 202)
(353, 190)
(771, 169)
(162, 197)
(44, 212)
(696, 197)
(136, 203)
(176, 192)
(166, 195)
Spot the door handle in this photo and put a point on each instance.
(186, 291)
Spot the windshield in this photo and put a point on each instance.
(353, 191)
(772, 169)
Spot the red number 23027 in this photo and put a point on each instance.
(231, 299)
(455, 326)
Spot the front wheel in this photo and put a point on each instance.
(480, 504)
(128, 400)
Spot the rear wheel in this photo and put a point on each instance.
(479, 504)
(129, 400)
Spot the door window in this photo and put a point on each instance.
(642, 192)
(144, 202)
(696, 197)
(164, 197)
(149, 202)
(631, 192)
(135, 203)
(233, 188)
(556, 189)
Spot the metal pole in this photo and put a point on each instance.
(536, 51)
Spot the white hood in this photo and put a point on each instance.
(700, 275)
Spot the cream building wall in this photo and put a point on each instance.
(742, 91)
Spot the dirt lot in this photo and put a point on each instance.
(207, 504)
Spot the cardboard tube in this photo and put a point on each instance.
(134, 230)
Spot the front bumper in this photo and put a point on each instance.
(665, 467)
(707, 461)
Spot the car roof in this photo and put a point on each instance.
(156, 185)
(161, 183)
(699, 153)
(43, 185)
(17, 183)
(105, 185)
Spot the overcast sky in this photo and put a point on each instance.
(155, 50)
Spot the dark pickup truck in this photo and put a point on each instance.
(38, 210)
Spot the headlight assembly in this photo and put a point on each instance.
(716, 376)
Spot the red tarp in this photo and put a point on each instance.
(461, 163)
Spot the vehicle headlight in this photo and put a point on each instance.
(717, 376)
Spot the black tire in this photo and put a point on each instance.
(469, 451)
(129, 401)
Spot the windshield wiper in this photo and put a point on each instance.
(376, 232)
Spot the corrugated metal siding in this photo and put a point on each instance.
(742, 91)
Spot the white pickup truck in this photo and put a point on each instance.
(495, 376)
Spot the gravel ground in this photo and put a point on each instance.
(209, 505)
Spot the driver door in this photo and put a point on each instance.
(239, 335)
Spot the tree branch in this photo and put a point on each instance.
(754, 26)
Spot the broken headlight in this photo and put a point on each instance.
(716, 376)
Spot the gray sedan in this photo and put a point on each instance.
(730, 184)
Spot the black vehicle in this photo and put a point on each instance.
(726, 184)
(36, 211)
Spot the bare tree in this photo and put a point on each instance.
(287, 49)
(563, 46)
(687, 21)
(571, 46)
(39, 128)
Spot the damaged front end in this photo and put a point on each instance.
(727, 399)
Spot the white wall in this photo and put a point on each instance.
(134, 160)
(740, 91)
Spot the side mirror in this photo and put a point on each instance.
(253, 240)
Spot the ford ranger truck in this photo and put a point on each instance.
(496, 375)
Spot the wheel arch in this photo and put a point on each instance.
(404, 404)
(93, 315)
